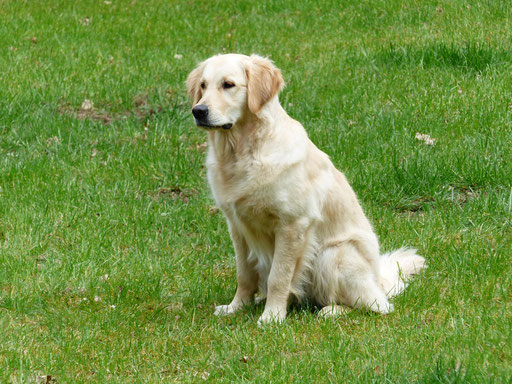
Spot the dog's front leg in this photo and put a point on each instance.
(246, 276)
(290, 242)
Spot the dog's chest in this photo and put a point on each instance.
(256, 213)
(249, 193)
(249, 202)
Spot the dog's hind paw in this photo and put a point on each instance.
(333, 311)
(382, 308)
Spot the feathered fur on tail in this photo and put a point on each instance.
(397, 268)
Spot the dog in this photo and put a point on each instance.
(296, 225)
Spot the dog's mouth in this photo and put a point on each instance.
(202, 124)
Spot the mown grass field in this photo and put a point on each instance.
(112, 256)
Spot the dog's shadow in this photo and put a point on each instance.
(296, 308)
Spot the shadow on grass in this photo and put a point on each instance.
(467, 57)
(307, 307)
(451, 372)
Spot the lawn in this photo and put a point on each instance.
(112, 255)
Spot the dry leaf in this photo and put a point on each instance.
(52, 140)
(87, 105)
(244, 359)
(425, 138)
(45, 379)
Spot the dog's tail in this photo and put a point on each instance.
(397, 268)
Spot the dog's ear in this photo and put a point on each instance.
(193, 83)
(264, 81)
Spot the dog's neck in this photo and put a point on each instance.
(246, 136)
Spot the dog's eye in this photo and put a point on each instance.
(203, 85)
(228, 84)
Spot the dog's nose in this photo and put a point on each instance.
(200, 111)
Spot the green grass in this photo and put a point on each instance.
(111, 259)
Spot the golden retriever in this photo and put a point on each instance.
(297, 227)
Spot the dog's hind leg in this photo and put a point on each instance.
(364, 292)
(358, 279)
(349, 276)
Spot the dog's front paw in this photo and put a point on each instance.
(224, 310)
(270, 317)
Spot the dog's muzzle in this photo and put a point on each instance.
(200, 113)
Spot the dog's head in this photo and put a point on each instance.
(225, 88)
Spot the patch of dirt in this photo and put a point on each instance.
(414, 206)
(175, 193)
(142, 109)
(459, 195)
(463, 194)
(91, 113)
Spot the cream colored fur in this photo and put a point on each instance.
(296, 224)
